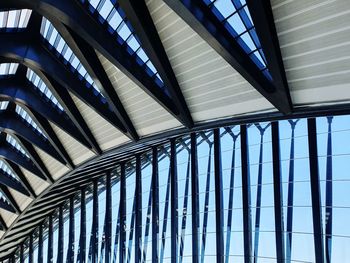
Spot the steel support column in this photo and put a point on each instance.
(122, 207)
(247, 227)
(277, 192)
(219, 213)
(155, 206)
(82, 239)
(60, 244)
(108, 230)
(138, 211)
(71, 237)
(50, 241)
(174, 203)
(31, 252)
(40, 245)
(195, 201)
(94, 233)
(315, 191)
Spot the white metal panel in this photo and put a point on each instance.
(76, 150)
(8, 216)
(146, 114)
(106, 135)
(212, 88)
(314, 36)
(36, 183)
(21, 199)
(55, 168)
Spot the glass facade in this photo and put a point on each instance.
(254, 192)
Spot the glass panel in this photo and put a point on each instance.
(8, 68)
(14, 143)
(15, 19)
(235, 16)
(25, 116)
(56, 41)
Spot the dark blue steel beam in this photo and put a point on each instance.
(155, 206)
(22, 93)
(195, 201)
(50, 240)
(138, 210)
(9, 153)
(122, 209)
(137, 13)
(52, 138)
(71, 234)
(14, 167)
(21, 253)
(77, 17)
(5, 191)
(95, 216)
(247, 227)
(262, 16)
(40, 245)
(66, 101)
(88, 57)
(34, 156)
(82, 239)
(31, 53)
(11, 122)
(108, 229)
(219, 207)
(6, 206)
(199, 17)
(60, 244)
(9, 181)
(315, 192)
(174, 202)
(277, 192)
(3, 226)
(31, 249)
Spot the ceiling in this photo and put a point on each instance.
(79, 78)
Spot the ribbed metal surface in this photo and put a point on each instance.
(315, 43)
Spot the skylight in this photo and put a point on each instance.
(4, 167)
(118, 24)
(235, 16)
(11, 140)
(41, 86)
(21, 112)
(8, 68)
(3, 105)
(15, 18)
(49, 32)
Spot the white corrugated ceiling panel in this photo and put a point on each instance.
(106, 135)
(146, 114)
(75, 150)
(36, 183)
(21, 199)
(212, 88)
(314, 36)
(55, 168)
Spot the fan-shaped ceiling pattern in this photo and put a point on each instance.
(79, 78)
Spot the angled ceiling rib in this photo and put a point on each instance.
(207, 20)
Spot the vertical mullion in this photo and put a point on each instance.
(70, 252)
(50, 241)
(218, 198)
(247, 228)
(60, 236)
(329, 194)
(138, 211)
(40, 245)
(155, 206)
(122, 214)
(30, 257)
(94, 233)
(174, 203)
(21, 253)
(108, 233)
(82, 239)
(195, 201)
(315, 191)
(277, 190)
